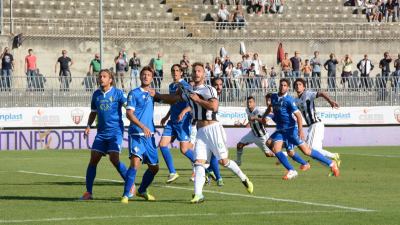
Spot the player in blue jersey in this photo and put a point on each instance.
(289, 127)
(106, 104)
(178, 128)
(142, 147)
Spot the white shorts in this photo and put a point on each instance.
(211, 140)
(315, 135)
(250, 138)
(193, 134)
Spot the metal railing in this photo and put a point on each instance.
(40, 91)
(87, 28)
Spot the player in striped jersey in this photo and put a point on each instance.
(257, 135)
(305, 102)
(211, 137)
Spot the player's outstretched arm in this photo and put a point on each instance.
(165, 118)
(183, 113)
(210, 104)
(166, 98)
(328, 99)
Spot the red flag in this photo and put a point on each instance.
(280, 54)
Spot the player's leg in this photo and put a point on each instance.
(261, 144)
(115, 148)
(99, 149)
(151, 158)
(166, 153)
(245, 140)
(315, 137)
(182, 132)
(219, 149)
(201, 155)
(277, 142)
(136, 151)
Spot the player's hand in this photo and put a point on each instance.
(86, 134)
(253, 118)
(194, 97)
(163, 120)
(301, 134)
(152, 92)
(334, 105)
(180, 117)
(146, 132)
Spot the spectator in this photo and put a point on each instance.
(396, 74)
(95, 65)
(277, 6)
(396, 10)
(159, 73)
(272, 75)
(7, 66)
(185, 65)
(384, 64)
(30, 68)
(365, 66)
(236, 75)
(121, 66)
(370, 10)
(252, 6)
(330, 66)
(307, 70)
(347, 70)
(316, 71)
(286, 65)
(134, 64)
(223, 16)
(209, 74)
(246, 63)
(39, 82)
(389, 10)
(217, 69)
(238, 17)
(226, 64)
(257, 67)
(296, 64)
(250, 76)
(64, 73)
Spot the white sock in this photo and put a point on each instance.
(199, 179)
(235, 169)
(326, 153)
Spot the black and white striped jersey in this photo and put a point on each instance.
(306, 105)
(205, 92)
(257, 128)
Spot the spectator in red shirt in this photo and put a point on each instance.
(30, 68)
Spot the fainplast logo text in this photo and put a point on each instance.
(335, 116)
(10, 117)
(232, 115)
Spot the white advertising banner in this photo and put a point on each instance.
(78, 116)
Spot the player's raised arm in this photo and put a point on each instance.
(328, 99)
(165, 118)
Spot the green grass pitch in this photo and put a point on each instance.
(42, 187)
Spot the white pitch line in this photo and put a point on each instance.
(221, 193)
(170, 215)
(372, 155)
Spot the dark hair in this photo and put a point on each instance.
(110, 73)
(147, 68)
(285, 80)
(30, 50)
(250, 97)
(213, 82)
(177, 65)
(301, 80)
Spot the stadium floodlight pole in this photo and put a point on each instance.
(101, 20)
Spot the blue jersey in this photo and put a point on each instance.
(108, 107)
(283, 108)
(142, 103)
(177, 108)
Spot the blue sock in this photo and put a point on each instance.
(283, 159)
(318, 156)
(148, 177)
(130, 180)
(168, 159)
(190, 155)
(215, 167)
(121, 168)
(296, 157)
(90, 175)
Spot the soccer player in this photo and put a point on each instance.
(290, 129)
(106, 104)
(142, 147)
(257, 135)
(305, 102)
(176, 127)
(211, 137)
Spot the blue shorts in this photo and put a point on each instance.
(289, 136)
(180, 130)
(104, 145)
(144, 148)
